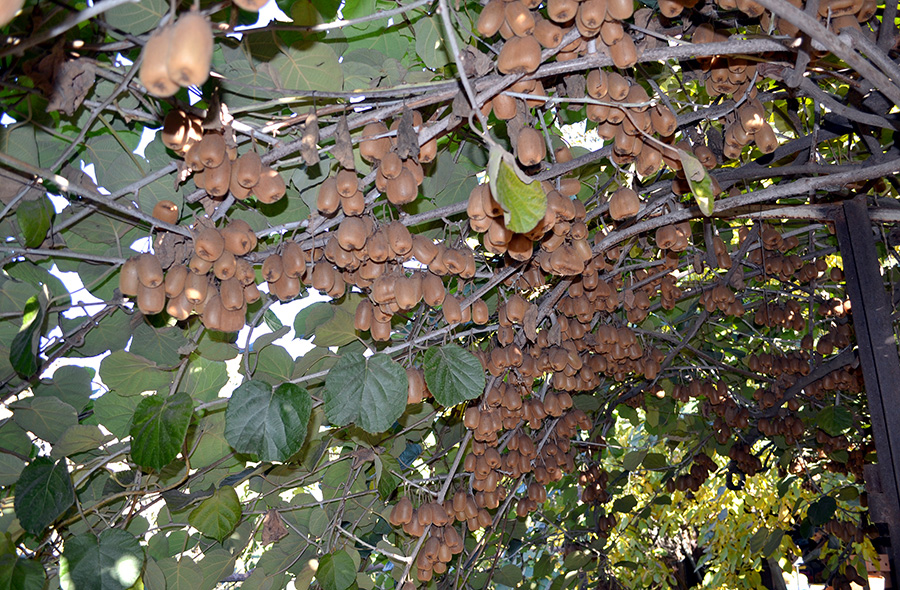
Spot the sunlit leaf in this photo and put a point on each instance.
(523, 200)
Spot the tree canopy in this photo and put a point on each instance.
(522, 293)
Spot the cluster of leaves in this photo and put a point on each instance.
(139, 451)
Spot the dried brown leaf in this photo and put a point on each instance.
(343, 145)
(407, 138)
(273, 530)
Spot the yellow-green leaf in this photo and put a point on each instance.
(700, 182)
(523, 200)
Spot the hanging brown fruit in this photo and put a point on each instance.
(519, 18)
(176, 129)
(154, 72)
(250, 5)
(191, 49)
(519, 55)
(624, 203)
(151, 300)
(128, 277)
(491, 18)
(530, 147)
(211, 150)
(372, 150)
(247, 169)
(209, 244)
(149, 270)
(166, 211)
(217, 180)
(328, 199)
(270, 187)
(402, 189)
(239, 237)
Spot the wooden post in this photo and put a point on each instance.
(879, 361)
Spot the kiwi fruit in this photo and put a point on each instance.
(428, 151)
(247, 169)
(378, 248)
(362, 320)
(270, 187)
(491, 18)
(408, 291)
(211, 150)
(591, 13)
(179, 307)
(239, 238)
(417, 171)
(402, 189)
(151, 300)
(620, 9)
(209, 244)
(597, 84)
(195, 287)
(175, 279)
(623, 204)
(191, 49)
(399, 238)
(199, 266)
(250, 5)
(351, 233)
(287, 288)
(323, 277)
(328, 199)
(166, 211)
(548, 33)
(293, 262)
(480, 313)
(128, 277)
(649, 161)
(519, 55)
(217, 181)
(347, 182)
(371, 149)
(149, 270)
(9, 10)
(225, 266)
(272, 268)
(530, 147)
(354, 205)
(765, 139)
(663, 120)
(433, 291)
(452, 310)
(176, 130)
(561, 11)
(231, 293)
(519, 18)
(381, 332)
(423, 249)
(402, 512)
(154, 74)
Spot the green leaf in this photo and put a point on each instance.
(624, 504)
(336, 571)
(34, 219)
(18, 573)
(130, 374)
(655, 461)
(10, 469)
(508, 575)
(159, 345)
(181, 574)
(137, 17)
(111, 561)
(371, 392)
(337, 331)
(700, 182)
(430, 44)
(158, 429)
(71, 384)
(772, 543)
(217, 515)
(204, 379)
(115, 412)
(79, 438)
(453, 374)
(46, 417)
(44, 491)
(153, 578)
(633, 459)
(24, 354)
(834, 420)
(821, 510)
(758, 540)
(523, 200)
(266, 422)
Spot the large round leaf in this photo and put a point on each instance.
(18, 573)
(336, 571)
(111, 561)
(44, 491)
(453, 374)
(158, 429)
(371, 392)
(266, 422)
(217, 515)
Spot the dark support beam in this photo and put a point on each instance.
(879, 361)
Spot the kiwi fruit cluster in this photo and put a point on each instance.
(701, 466)
(215, 281)
(746, 126)
(438, 519)
(594, 481)
(398, 178)
(177, 55)
(723, 299)
(527, 25)
(743, 458)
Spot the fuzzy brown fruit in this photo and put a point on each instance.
(520, 55)
(624, 203)
(8, 11)
(270, 187)
(191, 49)
(209, 244)
(166, 211)
(530, 147)
(154, 72)
(491, 18)
(250, 5)
(247, 169)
